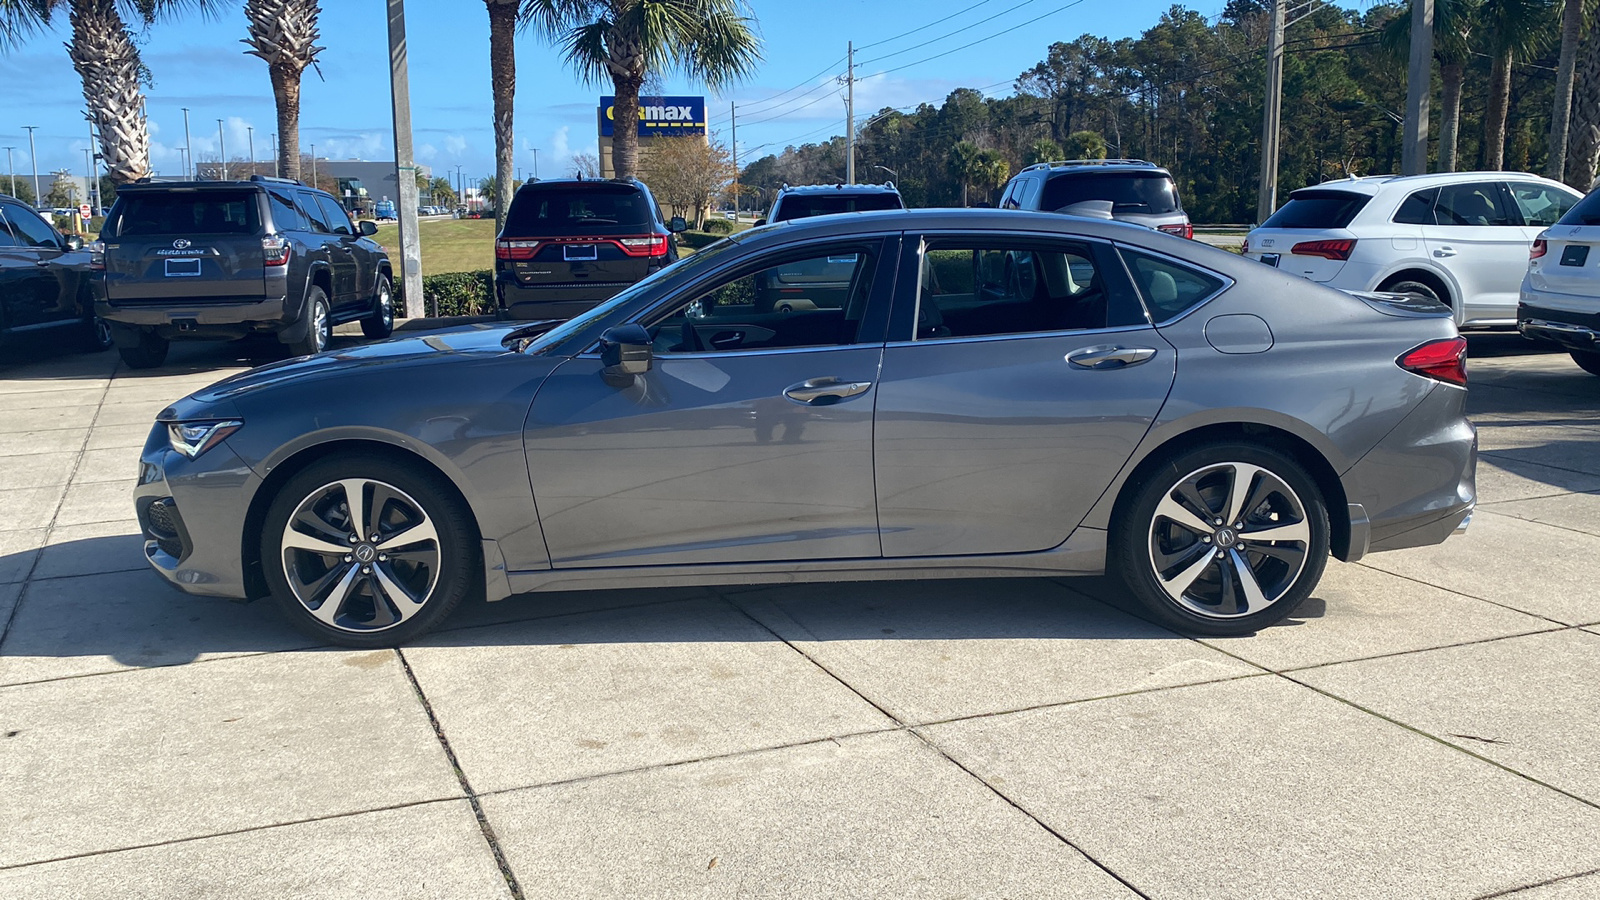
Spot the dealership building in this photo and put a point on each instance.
(658, 117)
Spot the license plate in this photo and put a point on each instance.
(1575, 255)
(182, 268)
(1271, 259)
(577, 252)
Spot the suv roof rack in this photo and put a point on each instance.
(276, 180)
(1091, 162)
(854, 185)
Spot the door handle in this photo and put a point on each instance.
(1443, 252)
(824, 391)
(1109, 357)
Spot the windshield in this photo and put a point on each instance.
(1587, 212)
(1318, 209)
(804, 206)
(687, 267)
(1129, 192)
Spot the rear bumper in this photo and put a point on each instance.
(1569, 328)
(556, 302)
(210, 319)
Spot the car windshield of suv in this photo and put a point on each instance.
(578, 210)
(188, 212)
(804, 206)
(1318, 209)
(1129, 192)
(1587, 212)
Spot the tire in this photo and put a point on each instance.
(380, 324)
(95, 335)
(148, 353)
(1414, 286)
(1167, 554)
(1587, 360)
(319, 325)
(367, 585)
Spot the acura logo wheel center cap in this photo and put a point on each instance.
(1226, 538)
(365, 553)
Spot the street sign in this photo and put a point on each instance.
(85, 211)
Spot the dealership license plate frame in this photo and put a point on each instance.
(184, 267)
(1575, 255)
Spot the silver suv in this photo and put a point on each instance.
(1128, 190)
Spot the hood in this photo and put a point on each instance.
(425, 348)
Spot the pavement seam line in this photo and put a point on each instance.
(1363, 564)
(50, 529)
(1528, 887)
(484, 827)
(926, 742)
(1472, 643)
(1504, 515)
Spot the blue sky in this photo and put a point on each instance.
(201, 64)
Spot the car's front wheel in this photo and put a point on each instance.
(368, 550)
(147, 350)
(1587, 360)
(1223, 539)
(380, 324)
(95, 335)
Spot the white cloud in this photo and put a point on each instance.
(427, 152)
(455, 145)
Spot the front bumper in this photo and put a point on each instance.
(191, 514)
(1570, 328)
(557, 302)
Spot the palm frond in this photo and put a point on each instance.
(585, 48)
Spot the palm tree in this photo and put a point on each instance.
(1452, 47)
(1512, 31)
(107, 61)
(629, 41)
(1571, 36)
(503, 16)
(1583, 143)
(284, 34)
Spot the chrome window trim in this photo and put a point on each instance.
(1020, 336)
(1227, 282)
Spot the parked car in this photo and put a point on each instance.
(1002, 393)
(217, 260)
(1461, 238)
(1128, 190)
(1560, 297)
(44, 282)
(807, 200)
(569, 243)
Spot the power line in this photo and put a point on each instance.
(981, 40)
(755, 105)
(941, 37)
(959, 12)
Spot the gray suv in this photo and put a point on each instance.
(218, 260)
(1128, 190)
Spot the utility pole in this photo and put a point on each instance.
(535, 163)
(11, 169)
(277, 169)
(850, 112)
(405, 169)
(313, 165)
(733, 118)
(1267, 193)
(33, 157)
(92, 187)
(250, 132)
(1419, 88)
(222, 151)
(188, 147)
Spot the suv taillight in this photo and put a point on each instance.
(1244, 249)
(504, 249)
(275, 250)
(1540, 247)
(97, 256)
(1335, 249)
(1185, 231)
(649, 245)
(1443, 360)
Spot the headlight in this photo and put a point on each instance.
(194, 438)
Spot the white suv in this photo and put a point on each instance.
(1561, 292)
(1459, 237)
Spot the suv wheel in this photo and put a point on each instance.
(381, 323)
(319, 325)
(96, 335)
(149, 351)
(1414, 286)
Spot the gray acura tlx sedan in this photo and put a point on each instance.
(907, 394)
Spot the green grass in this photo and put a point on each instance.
(448, 245)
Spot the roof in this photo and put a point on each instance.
(885, 188)
(1373, 184)
(1098, 165)
(935, 219)
(232, 183)
(567, 182)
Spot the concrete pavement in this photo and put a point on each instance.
(1424, 727)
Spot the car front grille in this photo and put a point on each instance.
(161, 523)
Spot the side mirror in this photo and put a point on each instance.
(759, 223)
(367, 227)
(677, 225)
(74, 242)
(625, 352)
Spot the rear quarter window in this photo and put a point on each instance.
(1587, 212)
(1169, 289)
(1318, 209)
(188, 212)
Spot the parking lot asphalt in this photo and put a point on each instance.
(1423, 727)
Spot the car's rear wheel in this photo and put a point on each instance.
(368, 551)
(1587, 360)
(148, 351)
(381, 323)
(319, 325)
(1224, 539)
(1407, 285)
(95, 335)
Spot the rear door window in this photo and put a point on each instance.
(1169, 289)
(1318, 209)
(1473, 205)
(998, 287)
(308, 206)
(1129, 192)
(599, 210)
(188, 212)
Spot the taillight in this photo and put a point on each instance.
(1335, 249)
(504, 249)
(97, 255)
(1443, 360)
(1185, 231)
(275, 250)
(1540, 247)
(649, 245)
(1244, 249)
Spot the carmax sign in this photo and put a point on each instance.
(659, 115)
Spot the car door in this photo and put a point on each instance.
(43, 281)
(19, 279)
(749, 440)
(342, 256)
(1019, 376)
(1481, 242)
(320, 240)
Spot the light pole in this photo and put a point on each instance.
(405, 168)
(188, 147)
(535, 163)
(11, 169)
(313, 165)
(250, 131)
(33, 157)
(222, 151)
(889, 170)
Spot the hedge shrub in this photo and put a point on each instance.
(720, 225)
(694, 240)
(454, 294)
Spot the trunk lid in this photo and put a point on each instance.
(1571, 261)
(185, 244)
(1316, 220)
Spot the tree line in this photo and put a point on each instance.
(1188, 94)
